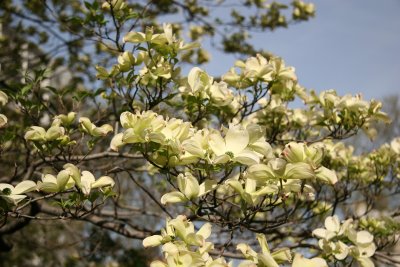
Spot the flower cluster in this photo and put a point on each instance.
(302, 10)
(382, 163)
(279, 256)
(203, 87)
(265, 258)
(70, 177)
(152, 62)
(259, 69)
(341, 240)
(162, 41)
(382, 228)
(298, 162)
(347, 112)
(180, 143)
(58, 131)
(172, 142)
(183, 246)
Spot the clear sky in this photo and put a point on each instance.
(351, 46)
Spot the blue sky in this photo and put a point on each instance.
(351, 46)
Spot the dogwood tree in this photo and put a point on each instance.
(213, 171)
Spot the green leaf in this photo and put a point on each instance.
(26, 89)
(93, 196)
(95, 5)
(132, 15)
(88, 5)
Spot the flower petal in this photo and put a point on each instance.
(173, 197)
(23, 187)
(326, 175)
(152, 241)
(103, 181)
(236, 139)
(205, 230)
(332, 223)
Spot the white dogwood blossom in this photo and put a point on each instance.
(233, 147)
(189, 189)
(342, 240)
(52, 184)
(183, 246)
(14, 195)
(90, 128)
(266, 257)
